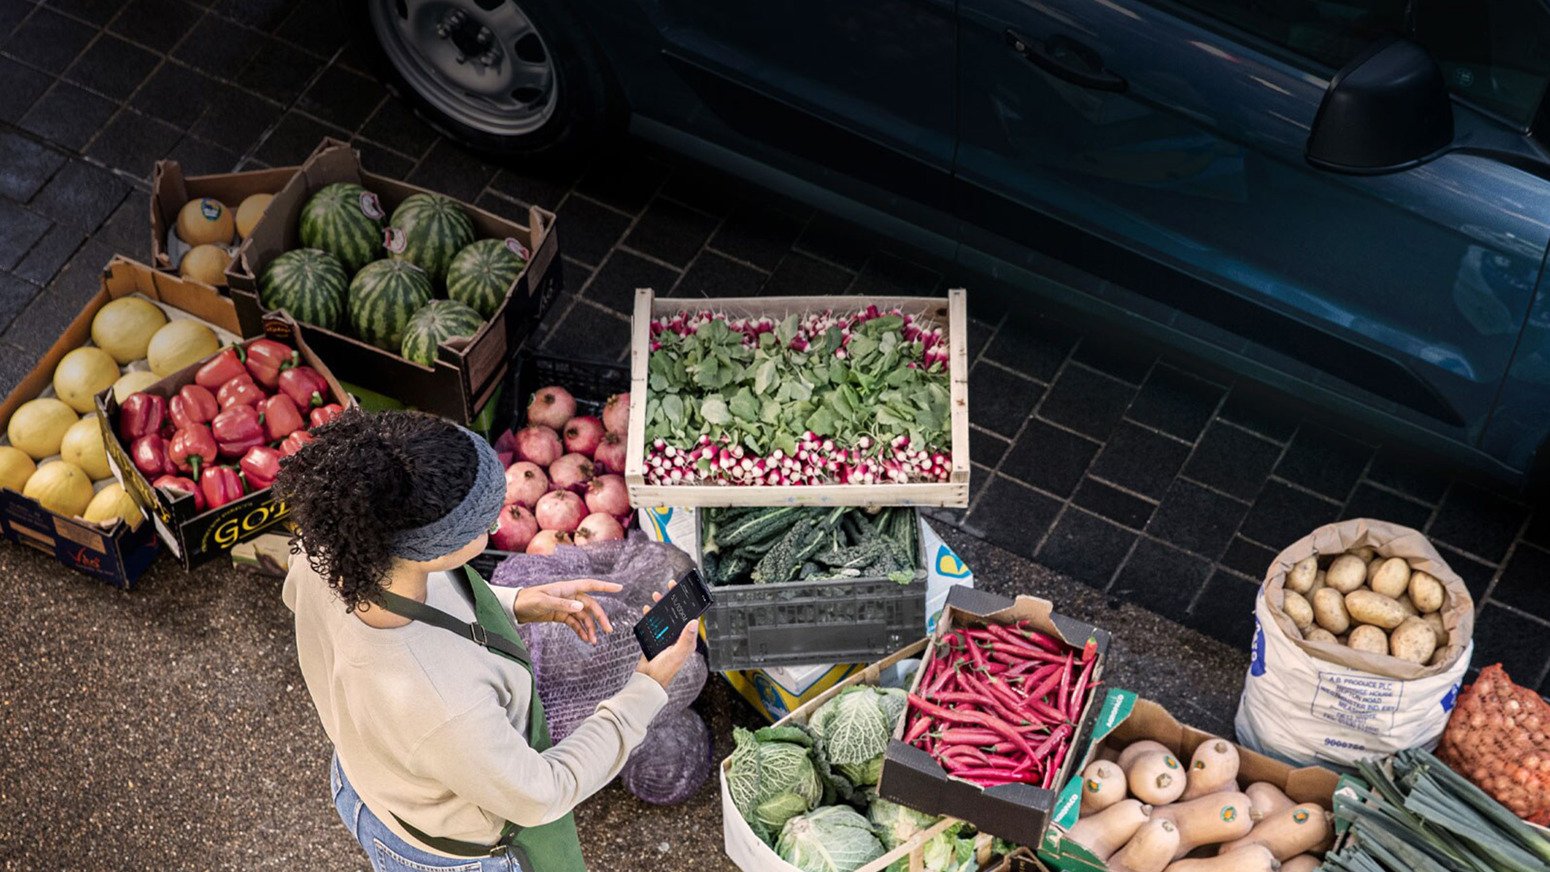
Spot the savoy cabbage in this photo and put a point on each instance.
(833, 838)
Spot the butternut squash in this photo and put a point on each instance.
(1213, 767)
(1302, 863)
(1265, 799)
(1255, 858)
(1149, 850)
(1108, 830)
(1136, 749)
(1103, 784)
(1156, 777)
(1209, 820)
(1291, 831)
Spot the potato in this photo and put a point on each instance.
(1300, 579)
(1413, 640)
(1329, 611)
(1365, 552)
(1409, 607)
(1369, 638)
(1391, 578)
(1370, 607)
(1346, 574)
(1434, 620)
(1319, 634)
(1298, 609)
(1318, 584)
(1426, 592)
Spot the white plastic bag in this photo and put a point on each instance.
(1322, 703)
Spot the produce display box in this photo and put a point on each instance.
(197, 537)
(170, 190)
(1126, 718)
(1015, 812)
(949, 312)
(466, 374)
(590, 382)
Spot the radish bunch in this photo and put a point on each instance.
(817, 460)
(563, 475)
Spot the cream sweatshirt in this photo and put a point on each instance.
(433, 728)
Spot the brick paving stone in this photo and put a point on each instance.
(888, 275)
(1012, 515)
(1518, 643)
(217, 46)
(1373, 502)
(757, 234)
(1000, 400)
(19, 229)
(543, 188)
(80, 195)
(386, 162)
(1175, 402)
(670, 232)
(979, 334)
(343, 97)
(316, 27)
(292, 139)
(23, 86)
(278, 71)
(1047, 456)
(236, 120)
(1247, 407)
(1477, 521)
(1411, 475)
(1525, 580)
(37, 326)
(174, 93)
(1324, 461)
(156, 24)
(614, 285)
(1140, 460)
(396, 126)
(265, 15)
(25, 166)
(1225, 609)
(1538, 530)
(624, 178)
(1231, 460)
(197, 157)
(15, 361)
(1089, 402)
(134, 143)
(67, 116)
(1161, 578)
(1248, 558)
(15, 294)
(1282, 514)
(715, 275)
(48, 40)
(1086, 547)
(1477, 575)
(1196, 519)
(588, 331)
(799, 274)
(452, 170)
(12, 12)
(1109, 355)
(1112, 503)
(112, 67)
(709, 191)
(1035, 347)
(589, 230)
(49, 254)
(127, 229)
(986, 447)
(837, 241)
(97, 12)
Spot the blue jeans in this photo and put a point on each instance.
(388, 852)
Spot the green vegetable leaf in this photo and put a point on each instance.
(744, 407)
(764, 376)
(714, 409)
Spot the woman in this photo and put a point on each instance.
(442, 758)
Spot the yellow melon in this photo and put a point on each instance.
(83, 447)
(130, 382)
(249, 211)
(124, 327)
(179, 344)
(15, 468)
(39, 426)
(60, 486)
(205, 263)
(205, 220)
(113, 503)
(83, 374)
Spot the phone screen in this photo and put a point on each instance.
(659, 628)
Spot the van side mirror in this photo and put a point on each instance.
(1385, 111)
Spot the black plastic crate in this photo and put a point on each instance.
(799, 623)
(590, 382)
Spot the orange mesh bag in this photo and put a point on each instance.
(1499, 738)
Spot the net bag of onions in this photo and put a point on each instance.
(1499, 738)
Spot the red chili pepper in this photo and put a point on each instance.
(193, 404)
(141, 414)
(266, 358)
(179, 484)
(240, 391)
(1090, 649)
(1039, 639)
(305, 386)
(238, 428)
(149, 454)
(260, 466)
(323, 414)
(294, 442)
(281, 417)
(972, 717)
(221, 485)
(192, 447)
(917, 730)
(220, 369)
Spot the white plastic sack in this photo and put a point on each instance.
(1321, 703)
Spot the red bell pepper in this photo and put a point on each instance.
(240, 391)
(180, 485)
(266, 358)
(323, 414)
(193, 405)
(192, 447)
(260, 466)
(149, 454)
(236, 429)
(141, 415)
(220, 369)
(281, 418)
(294, 442)
(305, 386)
(221, 485)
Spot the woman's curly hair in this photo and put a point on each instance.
(367, 476)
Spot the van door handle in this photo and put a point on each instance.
(1067, 59)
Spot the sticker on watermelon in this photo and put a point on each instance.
(371, 206)
(395, 240)
(517, 248)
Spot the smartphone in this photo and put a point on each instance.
(659, 628)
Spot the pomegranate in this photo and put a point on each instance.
(609, 456)
(507, 441)
(545, 541)
(559, 510)
(582, 434)
(616, 413)
(551, 407)
(525, 483)
(517, 528)
(538, 444)
(607, 493)
(571, 472)
(598, 527)
(504, 457)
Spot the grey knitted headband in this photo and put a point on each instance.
(467, 519)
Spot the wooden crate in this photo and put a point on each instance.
(949, 312)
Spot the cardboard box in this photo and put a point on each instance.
(170, 190)
(1126, 718)
(950, 313)
(1015, 812)
(467, 373)
(195, 537)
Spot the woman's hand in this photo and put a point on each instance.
(666, 664)
(567, 602)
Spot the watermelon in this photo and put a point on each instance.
(383, 296)
(435, 323)
(309, 283)
(430, 229)
(481, 274)
(345, 220)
